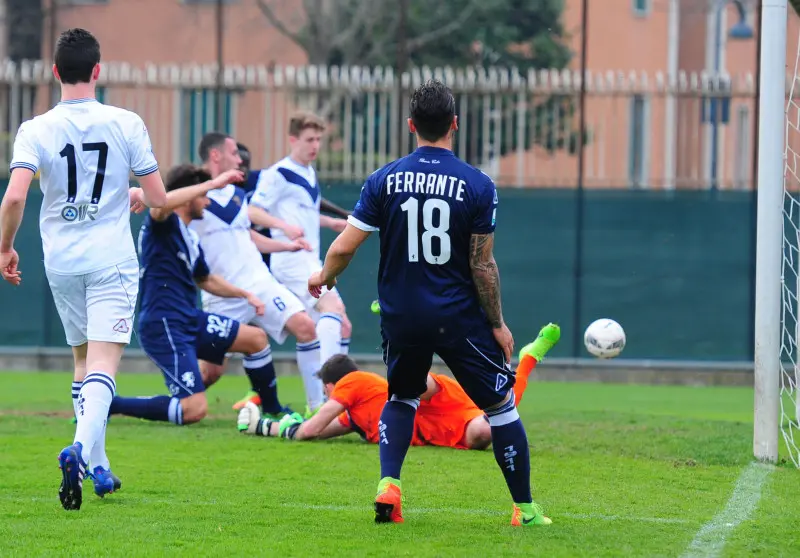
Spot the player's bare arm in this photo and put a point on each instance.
(332, 223)
(181, 196)
(153, 193)
(217, 285)
(316, 425)
(486, 277)
(267, 245)
(330, 207)
(262, 218)
(339, 254)
(11, 212)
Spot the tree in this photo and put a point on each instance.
(520, 34)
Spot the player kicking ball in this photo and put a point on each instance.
(446, 416)
(439, 293)
(85, 151)
(173, 332)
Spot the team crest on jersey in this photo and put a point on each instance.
(122, 326)
(237, 200)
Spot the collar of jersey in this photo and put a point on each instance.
(78, 101)
(433, 150)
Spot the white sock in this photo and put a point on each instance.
(344, 346)
(309, 364)
(329, 332)
(96, 393)
(76, 391)
(98, 457)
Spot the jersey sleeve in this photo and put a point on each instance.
(366, 214)
(142, 159)
(26, 148)
(201, 269)
(346, 391)
(483, 221)
(268, 190)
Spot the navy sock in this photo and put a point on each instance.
(160, 407)
(261, 371)
(510, 445)
(396, 429)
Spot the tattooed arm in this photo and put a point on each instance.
(486, 276)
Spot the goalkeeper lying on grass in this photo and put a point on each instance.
(446, 416)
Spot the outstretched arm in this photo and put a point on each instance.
(267, 245)
(339, 254)
(177, 198)
(219, 286)
(262, 218)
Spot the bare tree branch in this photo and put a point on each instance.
(422, 40)
(276, 22)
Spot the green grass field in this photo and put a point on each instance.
(622, 470)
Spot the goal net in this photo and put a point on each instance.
(789, 397)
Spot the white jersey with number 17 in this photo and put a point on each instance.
(85, 152)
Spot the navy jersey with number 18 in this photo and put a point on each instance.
(426, 206)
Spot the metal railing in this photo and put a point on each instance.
(641, 130)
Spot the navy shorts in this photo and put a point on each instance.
(476, 361)
(176, 348)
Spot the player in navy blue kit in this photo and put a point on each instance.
(439, 292)
(173, 332)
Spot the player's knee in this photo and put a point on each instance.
(302, 326)
(210, 372)
(479, 434)
(255, 341)
(347, 326)
(195, 408)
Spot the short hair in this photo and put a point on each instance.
(212, 140)
(432, 109)
(300, 121)
(244, 154)
(76, 54)
(185, 175)
(336, 368)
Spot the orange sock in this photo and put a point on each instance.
(526, 366)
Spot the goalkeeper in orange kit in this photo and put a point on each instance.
(446, 416)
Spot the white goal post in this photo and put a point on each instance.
(777, 262)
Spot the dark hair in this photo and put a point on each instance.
(244, 154)
(212, 140)
(185, 175)
(336, 368)
(432, 110)
(77, 53)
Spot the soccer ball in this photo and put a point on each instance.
(604, 338)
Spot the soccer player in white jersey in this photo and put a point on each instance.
(85, 152)
(233, 251)
(288, 190)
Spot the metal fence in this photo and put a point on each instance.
(641, 131)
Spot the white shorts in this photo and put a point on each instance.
(280, 304)
(97, 306)
(295, 278)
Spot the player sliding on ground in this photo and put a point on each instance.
(85, 152)
(173, 332)
(446, 416)
(439, 293)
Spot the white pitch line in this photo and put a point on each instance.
(368, 509)
(710, 539)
